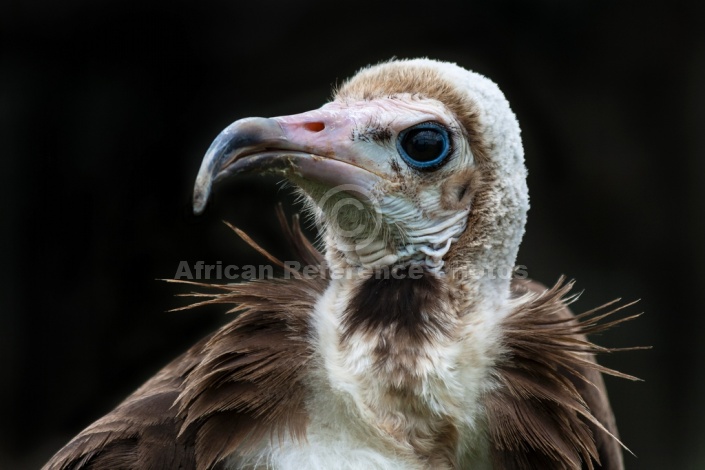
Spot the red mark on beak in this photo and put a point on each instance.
(314, 126)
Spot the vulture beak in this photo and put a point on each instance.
(315, 147)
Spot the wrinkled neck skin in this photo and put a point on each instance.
(472, 250)
(391, 235)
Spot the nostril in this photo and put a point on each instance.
(314, 126)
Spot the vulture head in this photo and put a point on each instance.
(413, 163)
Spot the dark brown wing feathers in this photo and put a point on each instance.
(551, 410)
(221, 396)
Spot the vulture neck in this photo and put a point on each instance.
(412, 351)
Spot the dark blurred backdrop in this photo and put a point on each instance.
(106, 109)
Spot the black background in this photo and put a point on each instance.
(106, 109)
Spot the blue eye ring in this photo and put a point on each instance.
(424, 146)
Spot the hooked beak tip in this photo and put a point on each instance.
(199, 203)
(201, 192)
(243, 136)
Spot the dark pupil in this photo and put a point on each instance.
(423, 145)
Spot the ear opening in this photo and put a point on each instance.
(458, 191)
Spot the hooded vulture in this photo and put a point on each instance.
(408, 342)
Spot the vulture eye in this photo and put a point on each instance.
(424, 146)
